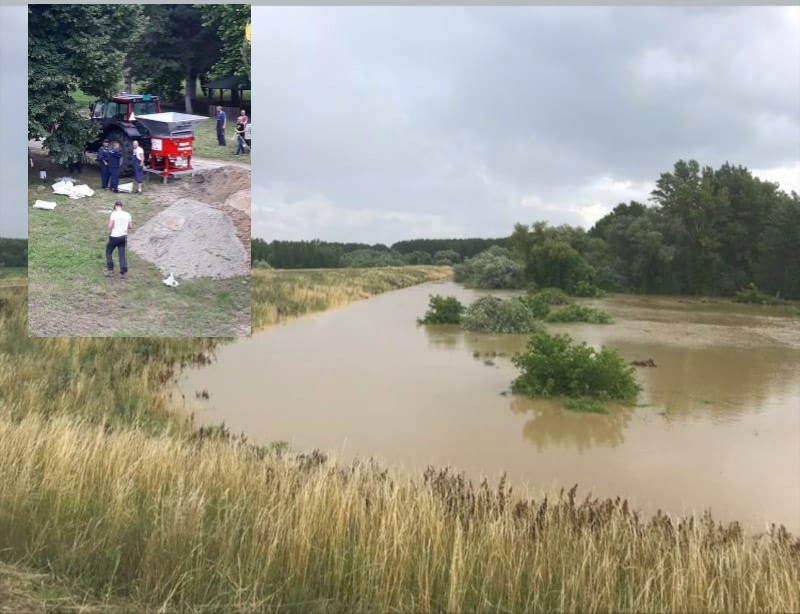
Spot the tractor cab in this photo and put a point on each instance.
(120, 108)
(116, 120)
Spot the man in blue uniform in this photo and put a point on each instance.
(222, 121)
(114, 159)
(102, 160)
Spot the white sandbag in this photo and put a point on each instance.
(170, 281)
(125, 187)
(67, 188)
(44, 204)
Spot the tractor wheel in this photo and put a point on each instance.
(126, 146)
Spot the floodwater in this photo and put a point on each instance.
(717, 425)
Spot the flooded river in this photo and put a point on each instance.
(717, 424)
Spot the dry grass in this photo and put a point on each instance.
(209, 525)
(121, 509)
(279, 295)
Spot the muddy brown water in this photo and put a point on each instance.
(717, 425)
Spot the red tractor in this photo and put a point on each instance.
(117, 121)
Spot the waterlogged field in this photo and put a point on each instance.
(717, 424)
(111, 503)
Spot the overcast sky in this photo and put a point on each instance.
(13, 127)
(380, 124)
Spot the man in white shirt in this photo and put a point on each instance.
(119, 224)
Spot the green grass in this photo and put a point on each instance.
(13, 272)
(206, 146)
(69, 294)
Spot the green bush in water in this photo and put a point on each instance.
(443, 310)
(538, 305)
(579, 313)
(587, 289)
(490, 314)
(553, 365)
(753, 295)
(552, 296)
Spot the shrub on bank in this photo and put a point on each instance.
(443, 310)
(754, 296)
(490, 314)
(586, 289)
(553, 365)
(552, 296)
(579, 313)
(493, 269)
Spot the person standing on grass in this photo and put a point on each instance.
(114, 159)
(222, 122)
(30, 157)
(240, 127)
(119, 224)
(242, 119)
(102, 160)
(138, 165)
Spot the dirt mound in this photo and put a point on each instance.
(191, 239)
(226, 185)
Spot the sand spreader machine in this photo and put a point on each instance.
(171, 142)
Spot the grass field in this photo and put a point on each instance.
(280, 295)
(110, 503)
(13, 272)
(69, 294)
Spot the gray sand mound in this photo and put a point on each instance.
(191, 239)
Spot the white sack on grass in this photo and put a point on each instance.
(66, 188)
(44, 204)
(170, 281)
(125, 187)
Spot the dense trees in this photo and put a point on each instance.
(86, 48)
(172, 51)
(707, 232)
(13, 253)
(74, 47)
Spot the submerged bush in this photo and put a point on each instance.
(538, 305)
(579, 313)
(493, 269)
(443, 310)
(552, 296)
(553, 365)
(585, 405)
(587, 289)
(753, 295)
(490, 314)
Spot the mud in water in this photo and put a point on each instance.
(717, 425)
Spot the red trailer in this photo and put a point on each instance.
(171, 141)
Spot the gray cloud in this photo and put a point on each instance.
(390, 123)
(13, 126)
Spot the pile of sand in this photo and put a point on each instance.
(227, 185)
(191, 239)
(226, 188)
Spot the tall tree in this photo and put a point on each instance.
(74, 47)
(230, 22)
(174, 49)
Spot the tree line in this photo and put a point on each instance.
(14, 253)
(88, 48)
(316, 254)
(706, 232)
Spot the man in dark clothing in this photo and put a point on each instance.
(102, 160)
(240, 144)
(114, 159)
(222, 121)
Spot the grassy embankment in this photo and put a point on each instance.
(66, 259)
(121, 507)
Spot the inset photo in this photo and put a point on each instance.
(139, 123)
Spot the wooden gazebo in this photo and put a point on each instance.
(236, 85)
